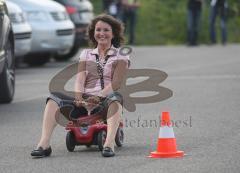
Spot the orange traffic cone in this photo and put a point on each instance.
(166, 147)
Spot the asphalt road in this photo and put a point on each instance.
(205, 82)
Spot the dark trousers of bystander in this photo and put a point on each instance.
(214, 12)
(129, 18)
(193, 26)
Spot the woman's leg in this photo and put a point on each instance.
(113, 120)
(49, 123)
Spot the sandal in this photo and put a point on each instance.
(107, 152)
(40, 152)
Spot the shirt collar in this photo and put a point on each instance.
(112, 52)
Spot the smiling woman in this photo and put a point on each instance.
(98, 80)
(103, 33)
(115, 28)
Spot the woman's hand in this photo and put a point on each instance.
(93, 100)
(78, 101)
(90, 103)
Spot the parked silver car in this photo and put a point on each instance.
(21, 29)
(52, 30)
(7, 70)
(81, 14)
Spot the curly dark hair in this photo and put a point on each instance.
(117, 29)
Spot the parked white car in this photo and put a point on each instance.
(21, 29)
(81, 13)
(52, 30)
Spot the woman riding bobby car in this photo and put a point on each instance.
(101, 71)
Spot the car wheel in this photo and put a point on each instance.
(101, 138)
(119, 137)
(7, 77)
(70, 141)
(37, 59)
(69, 55)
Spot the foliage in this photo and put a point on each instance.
(164, 22)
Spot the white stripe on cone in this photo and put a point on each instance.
(166, 132)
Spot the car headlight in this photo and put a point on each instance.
(17, 17)
(36, 16)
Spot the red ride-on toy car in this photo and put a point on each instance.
(90, 130)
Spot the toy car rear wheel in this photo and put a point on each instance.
(88, 146)
(119, 137)
(101, 139)
(70, 141)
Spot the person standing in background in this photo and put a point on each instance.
(129, 14)
(194, 14)
(218, 7)
(111, 7)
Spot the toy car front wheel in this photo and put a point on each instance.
(70, 141)
(101, 137)
(119, 137)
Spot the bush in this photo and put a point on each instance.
(164, 22)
